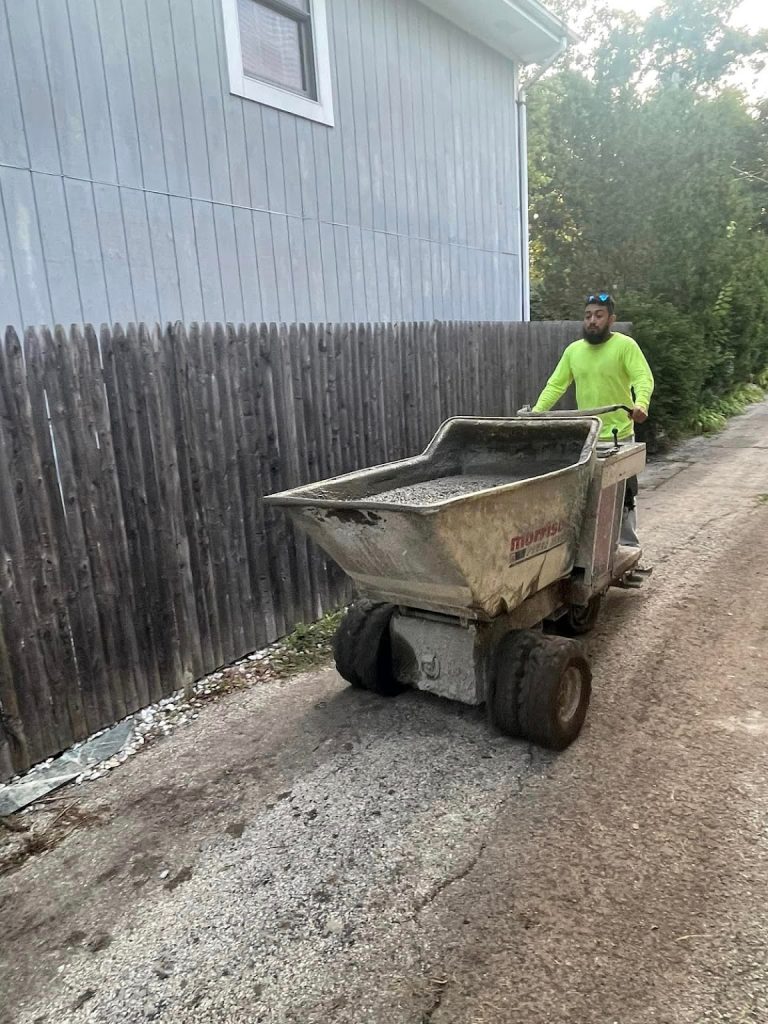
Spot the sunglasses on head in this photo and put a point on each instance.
(598, 297)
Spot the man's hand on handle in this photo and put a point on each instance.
(638, 415)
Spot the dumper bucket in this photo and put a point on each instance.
(489, 514)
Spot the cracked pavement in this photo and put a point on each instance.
(307, 853)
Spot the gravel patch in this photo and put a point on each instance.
(431, 492)
(323, 876)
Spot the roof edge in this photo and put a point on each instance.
(547, 19)
(539, 35)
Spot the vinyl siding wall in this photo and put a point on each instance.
(134, 186)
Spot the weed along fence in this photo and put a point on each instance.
(137, 554)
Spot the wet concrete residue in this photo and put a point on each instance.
(359, 516)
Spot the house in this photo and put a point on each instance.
(284, 160)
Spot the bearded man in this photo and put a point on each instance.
(608, 368)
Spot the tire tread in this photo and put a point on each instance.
(361, 647)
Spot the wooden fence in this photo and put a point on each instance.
(137, 555)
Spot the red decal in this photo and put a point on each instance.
(535, 539)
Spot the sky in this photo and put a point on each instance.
(751, 13)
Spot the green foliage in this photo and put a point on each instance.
(713, 416)
(752, 393)
(649, 177)
(709, 421)
(307, 646)
(675, 347)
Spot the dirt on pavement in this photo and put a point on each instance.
(307, 853)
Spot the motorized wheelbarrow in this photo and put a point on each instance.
(477, 564)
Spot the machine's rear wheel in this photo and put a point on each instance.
(362, 648)
(541, 689)
(579, 619)
(511, 660)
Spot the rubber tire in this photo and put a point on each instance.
(362, 648)
(511, 660)
(546, 663)
(579, 619)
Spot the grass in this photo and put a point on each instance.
(714, 417)
(306, 647)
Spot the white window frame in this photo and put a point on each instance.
(271, 95)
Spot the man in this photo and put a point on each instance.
(608, 368)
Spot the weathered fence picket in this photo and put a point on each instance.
(137, 554)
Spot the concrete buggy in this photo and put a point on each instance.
(478, 563)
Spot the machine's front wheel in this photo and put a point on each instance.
(541, 689)
(362, 648)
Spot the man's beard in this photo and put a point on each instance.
(597, 337)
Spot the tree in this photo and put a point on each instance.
(648, 177)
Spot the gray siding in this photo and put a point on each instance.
(133, 186)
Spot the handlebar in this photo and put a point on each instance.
(573, 413)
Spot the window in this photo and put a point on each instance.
(277, 51)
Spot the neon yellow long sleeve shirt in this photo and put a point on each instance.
(604, 374)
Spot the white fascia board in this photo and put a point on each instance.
(522, 30)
